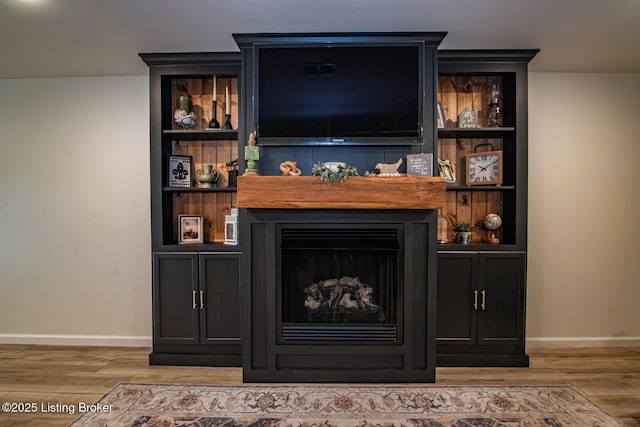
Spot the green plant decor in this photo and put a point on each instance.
(327, 175)
(463, 226)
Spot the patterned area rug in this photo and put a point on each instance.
(166, 405)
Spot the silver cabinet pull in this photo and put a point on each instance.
(475, 300)
(201, 300)
(482, 304)
(194, 300)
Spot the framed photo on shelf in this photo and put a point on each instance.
(189, 229)
(179, 171)
(441, 121)
(446, 170)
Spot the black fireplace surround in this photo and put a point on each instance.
(338, 295)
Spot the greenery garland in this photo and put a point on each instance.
(327, 175)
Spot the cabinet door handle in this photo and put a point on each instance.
(195, 305)
(201, 300)
(482, 304)
(475, 300)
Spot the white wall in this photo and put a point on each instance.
(75, 261)
(584, 202)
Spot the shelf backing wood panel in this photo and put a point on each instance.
(213, 206)
(460, 91)
(201, 91)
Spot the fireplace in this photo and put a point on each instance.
(338, 295)
(339, 282)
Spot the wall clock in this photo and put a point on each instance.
(484, 168)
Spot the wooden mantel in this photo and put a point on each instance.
(309, 192)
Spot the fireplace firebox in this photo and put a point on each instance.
(338, 295)
(338, 283)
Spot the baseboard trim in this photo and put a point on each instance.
(82, 340)
(132, 341)
(533, 342)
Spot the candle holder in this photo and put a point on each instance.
(214, 123)
(227, 122)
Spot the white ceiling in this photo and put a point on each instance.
(52, 38)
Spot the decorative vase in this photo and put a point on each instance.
(464, 236)
(207, 176)
(443, 227)
(184, 116)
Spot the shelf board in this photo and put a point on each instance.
(453, 187)
(199, 190)
(198, 247)
(475, 246)
(499, 132)
(201, 135)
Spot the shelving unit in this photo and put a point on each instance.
(196, 289)
(481, 285)
(216, 147)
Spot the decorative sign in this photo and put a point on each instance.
(179, 171)
(468, 118)
(419, 164)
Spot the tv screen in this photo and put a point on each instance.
(339, 95)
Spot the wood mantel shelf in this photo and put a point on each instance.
(309, 192)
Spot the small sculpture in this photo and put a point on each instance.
(389, 169)
(251, 155)
(290, 168)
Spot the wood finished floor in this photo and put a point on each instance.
(610, 377)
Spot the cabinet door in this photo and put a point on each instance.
(220, 288)
(501, 317)
(456, 321)
(175, 283)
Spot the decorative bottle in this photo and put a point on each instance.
(443, 227)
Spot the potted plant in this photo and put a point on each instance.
(464, 230)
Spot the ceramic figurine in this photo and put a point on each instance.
(251, 155)
(389, 169)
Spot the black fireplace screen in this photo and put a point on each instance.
(340, 283)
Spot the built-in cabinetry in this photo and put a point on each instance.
(481, 285)
(195, 274)
(196, 308)
(483, 298)
(196, 280)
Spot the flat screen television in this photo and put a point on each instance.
(340, 94)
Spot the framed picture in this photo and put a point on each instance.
(446, 169)
(189, 229)
(179, 169)
(441, 117)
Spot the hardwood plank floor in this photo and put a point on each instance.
(610, 377)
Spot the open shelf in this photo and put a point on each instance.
(199, 190)
(493, 132)
(202, 135)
